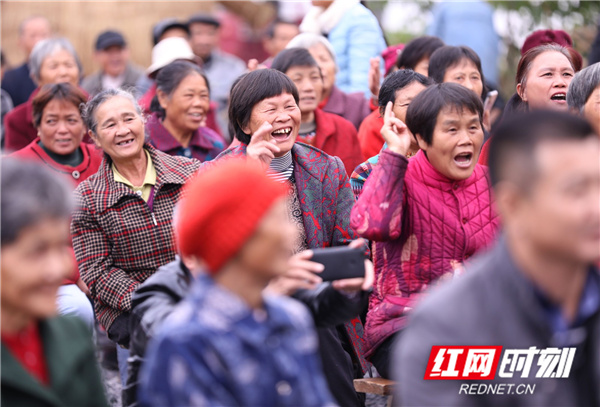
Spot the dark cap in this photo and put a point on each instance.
(166, 24)
(109, 39)
(204, 19)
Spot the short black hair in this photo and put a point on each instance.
(251, 89)
(270, 32)
(512, 148)
(292, 57)
(422, 114)
(416, 50)
(399, 80)
(449, 56)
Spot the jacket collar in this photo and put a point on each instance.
(61, 361)
(167, 172)
(164, 141)
(433, 177)
(325, 127)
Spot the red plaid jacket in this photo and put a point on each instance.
(119, 240)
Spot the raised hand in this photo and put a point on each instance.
(374, 78)
(395, 132)
(262, 146)
(300, 275)
(352, 285)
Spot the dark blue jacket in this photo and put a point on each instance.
(18, 84)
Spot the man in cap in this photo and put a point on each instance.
(221, 69)
(112, 54)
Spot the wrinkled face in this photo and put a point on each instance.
(547, 82)
(34, 31)
(283, 114)
(61, 129)
(310, 86)
(591, 110)
(561, 213)
(267, 252)
(34, 266)
(120, 129)
(282, 35)
(186, 108)
(457, 140)
(422, 67)
(59, 67)
(465, 73)
(203, 39)
(113, 60)
(320, 53)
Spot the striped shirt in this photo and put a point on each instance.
(281, 168)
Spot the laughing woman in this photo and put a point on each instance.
(177, 125)
(122, 222)
(428, 214)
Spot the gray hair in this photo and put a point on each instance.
(309, 40)
(30, 194)
(88, 111)
(47, 47)
(582, 85)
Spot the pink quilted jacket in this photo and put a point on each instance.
(421, 223)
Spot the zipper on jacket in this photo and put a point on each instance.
(153, 219)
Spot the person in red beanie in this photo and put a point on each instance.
(560, 37)
(227, 343)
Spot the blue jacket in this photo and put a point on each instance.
(214, 350)
(356, 39)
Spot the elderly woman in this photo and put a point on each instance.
(543, 77)
(266, 119)
(427, 214)
(177, 125)
(328, 132)
(59, 148)
(46, 360)
(122, 223)
(53, 60)
(351, 106)
(583, 95)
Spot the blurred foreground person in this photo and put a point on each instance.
(428, 214)
(46, 360)
(583, 96)
(536, 293)
(227, 343)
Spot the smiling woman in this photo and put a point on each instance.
(428, 214)
(122, 223)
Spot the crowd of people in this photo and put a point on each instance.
(168, 217)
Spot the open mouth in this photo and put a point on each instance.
(282, 134)
(198, 116)
(561, 97)
(125, 142)
(463, 160)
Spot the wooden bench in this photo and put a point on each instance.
(376, 385)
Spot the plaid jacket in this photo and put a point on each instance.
(119, 239)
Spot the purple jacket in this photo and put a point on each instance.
(421, 223)
(351, 106)
(205, 144)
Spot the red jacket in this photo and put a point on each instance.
(18, 125)
(90, 164)
(369, 135)
(337, 136)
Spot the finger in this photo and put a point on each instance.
(348, 284)
(304, 255)
(388, 112)
(357, 244)
(398, 123)
(262, 133)
(303, 274)
(311, 266)
(369, 276)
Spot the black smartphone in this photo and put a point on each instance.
(340, 262)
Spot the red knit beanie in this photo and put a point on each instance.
(559, 37)
(221, 208)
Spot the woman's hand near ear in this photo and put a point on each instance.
(395, 132)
